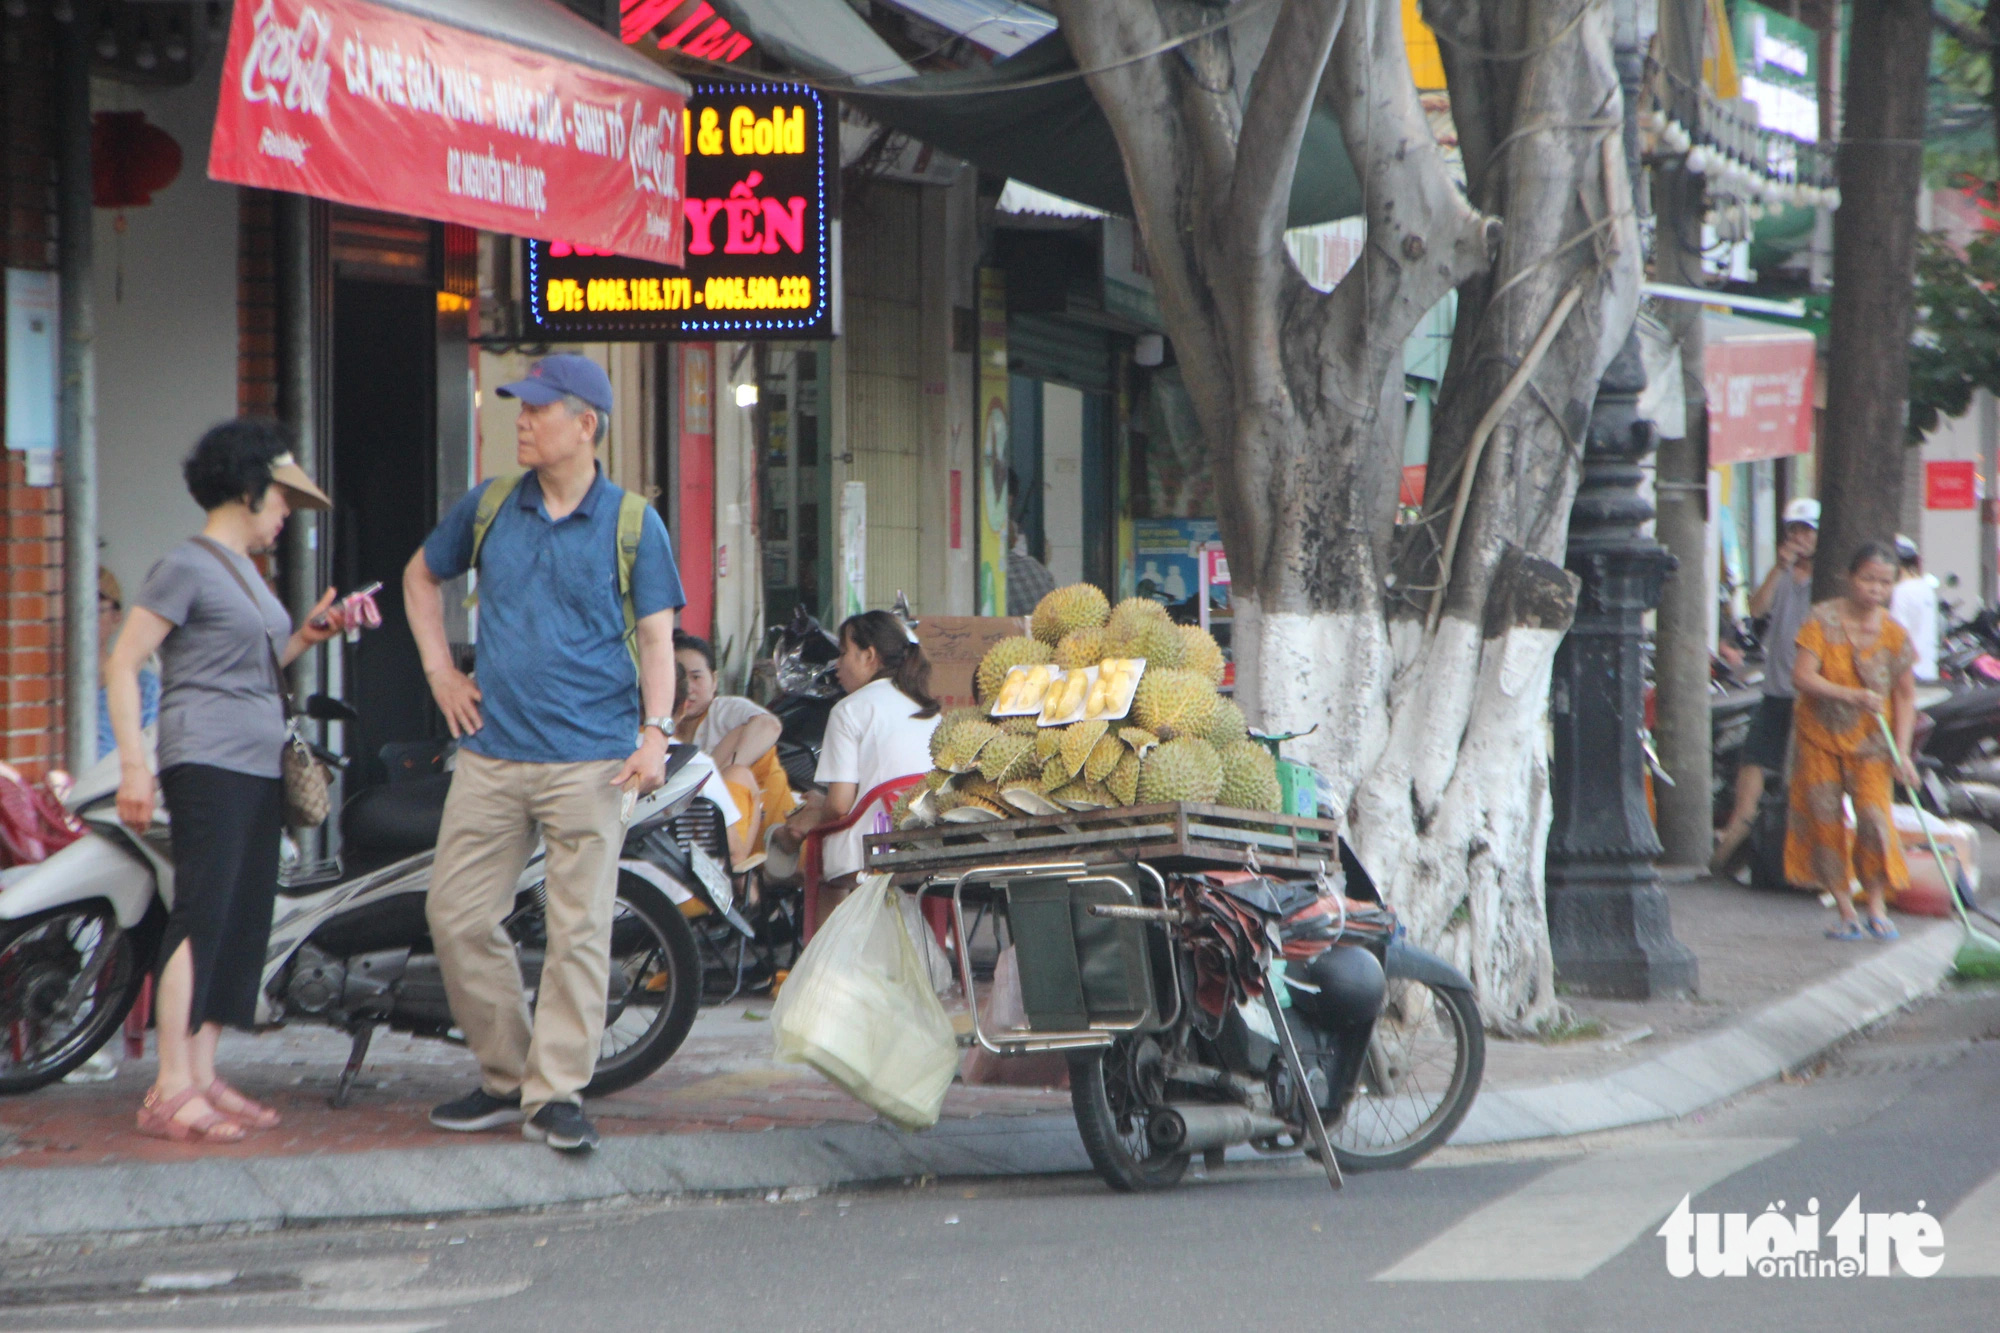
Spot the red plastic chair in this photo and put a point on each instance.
(812, 850)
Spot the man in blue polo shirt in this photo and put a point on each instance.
(553, 738)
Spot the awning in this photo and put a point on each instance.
(1758, 378)
(514, 116)
(1050, 135)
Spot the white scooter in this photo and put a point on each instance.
(349, 944)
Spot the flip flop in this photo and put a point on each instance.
(1881, 928)
(1848, 933)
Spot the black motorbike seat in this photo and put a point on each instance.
(401, 819)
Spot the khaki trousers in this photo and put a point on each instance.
(491, 819)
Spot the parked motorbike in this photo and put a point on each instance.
(803, 654)
(350, 947)
(1203, 1011)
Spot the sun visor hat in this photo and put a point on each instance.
(565, 373)
(286, 472)
(1803, 511)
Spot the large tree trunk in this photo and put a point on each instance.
(1874, 268)
(1431, 706)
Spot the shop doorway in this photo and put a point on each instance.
(1061, 464)
(385, 492)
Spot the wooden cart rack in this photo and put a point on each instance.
(1173, 836)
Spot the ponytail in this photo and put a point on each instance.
(903, 662)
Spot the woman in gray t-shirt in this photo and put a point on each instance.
(216, 626)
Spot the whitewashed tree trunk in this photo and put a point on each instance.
(1430, 710)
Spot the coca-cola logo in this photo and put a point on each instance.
(289, 65)
(651, 151)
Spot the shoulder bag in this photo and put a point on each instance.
(308, 795)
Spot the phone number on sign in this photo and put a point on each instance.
(569, 296)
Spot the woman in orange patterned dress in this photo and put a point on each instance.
(1853, 662)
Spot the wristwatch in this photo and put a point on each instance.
(663, 725)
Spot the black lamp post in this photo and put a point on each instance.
(1608, 920)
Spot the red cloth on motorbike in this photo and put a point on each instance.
(33, 824)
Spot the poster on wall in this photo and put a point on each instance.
(993, 442)
(853, 548)
(1166, 565)
(762, 244)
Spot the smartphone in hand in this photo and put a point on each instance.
(321, 622)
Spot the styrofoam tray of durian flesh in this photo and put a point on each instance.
(1102, 693)
(1023, 689)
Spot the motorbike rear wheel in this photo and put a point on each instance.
(1112, 1092)
(1418, 1080)
(647, 1018)
(68, 977)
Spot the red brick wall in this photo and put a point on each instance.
(256, 305)
(31, 576)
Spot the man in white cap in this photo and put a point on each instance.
(1914, 604)
(1785, 597)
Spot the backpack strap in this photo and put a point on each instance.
(631, 526)
(490, 500)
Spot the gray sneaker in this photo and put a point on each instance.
(477, 1110)
(563, 1126)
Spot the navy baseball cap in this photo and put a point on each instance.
(553, 376)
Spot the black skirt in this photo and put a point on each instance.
(226, 827)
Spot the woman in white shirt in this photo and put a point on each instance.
(881, 731)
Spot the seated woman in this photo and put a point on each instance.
(741, 738)
(879, 732)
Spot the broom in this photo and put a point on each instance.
(1978, 956)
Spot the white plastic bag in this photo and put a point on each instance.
(859, 1008)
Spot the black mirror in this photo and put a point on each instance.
(323, 709)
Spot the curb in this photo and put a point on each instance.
(1768, 1043)
(44, 1205)
(41, 1206)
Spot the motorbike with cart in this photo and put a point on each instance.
(1215, 976)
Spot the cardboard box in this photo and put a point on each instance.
(955, 645)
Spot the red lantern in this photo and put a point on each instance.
(129, 159)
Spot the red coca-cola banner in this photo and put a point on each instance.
(365, 105)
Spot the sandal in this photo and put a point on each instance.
(1848, 932)
(1882, 929)
(253, 1114)
(156, 1120)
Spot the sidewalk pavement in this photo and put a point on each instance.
(723, 1117)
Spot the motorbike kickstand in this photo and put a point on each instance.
(1298, 1068)
(356, 1054)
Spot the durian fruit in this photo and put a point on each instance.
(1123, 784)
(1103, 757)
(1026, 795)
(955, 746)
(1078, 741)
(976, 810)
(1226, 727)
(1054, 774)
(1200, 652)
(1003, 657)
(1006, 755)
(907, 812)
(1127, 616)
(1024, 725)
(1181, 770)
(1172, 703)
(976, 788)
(1063, 699)
(1078, 606)
(1081, 648)
(1155, 638)
(1081, 795)
(1138, 738)
(1048, 740)
(1249, 777)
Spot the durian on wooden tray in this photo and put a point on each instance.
(1170, 835)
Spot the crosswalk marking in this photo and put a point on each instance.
(1563, 1224)
(1972, 1234)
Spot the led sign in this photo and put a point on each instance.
(759, 238)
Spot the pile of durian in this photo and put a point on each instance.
(1179, 740)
